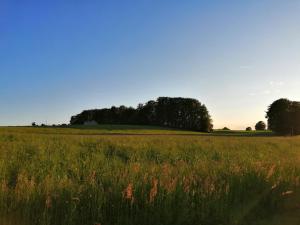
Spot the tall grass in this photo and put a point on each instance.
(136, 180)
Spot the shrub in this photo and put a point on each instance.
(225, 128)
(260, 125)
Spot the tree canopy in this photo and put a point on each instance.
(260, 125)
(183, 113)
(284, 117)
(225, 128)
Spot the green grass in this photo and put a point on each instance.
(97, 130)
(55, 176)
(243, 133)
(126, 130)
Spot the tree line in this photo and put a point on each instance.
(183, 113)
(283, 118)
(283, 115)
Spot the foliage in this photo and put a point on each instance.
(75, 179)
(284, 117)
(260, 125)
(225, 128)
(248, 129)
(183, 113)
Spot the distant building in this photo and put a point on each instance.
(90, 123)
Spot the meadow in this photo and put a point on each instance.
(131, 175)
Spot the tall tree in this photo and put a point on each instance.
(284, 117)
(184, 113)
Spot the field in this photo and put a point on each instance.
(131, 175)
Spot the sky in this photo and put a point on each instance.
(58, 58)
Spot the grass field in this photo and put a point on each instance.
(132, 175)
(125, 130)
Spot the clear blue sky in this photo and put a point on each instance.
(60, 57)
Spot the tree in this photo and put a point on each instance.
(183, 113)
(278, 116)
(225, 128)
(248, 129)
(260, 125)
(33, 124)
(284, 117)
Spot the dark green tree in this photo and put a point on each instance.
(284, 117)
(260, 125)
(225, 128)
(183, 113)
